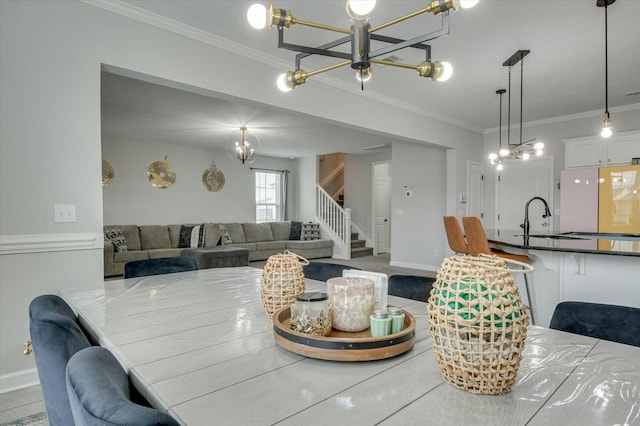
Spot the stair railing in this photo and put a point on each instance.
(336, 220)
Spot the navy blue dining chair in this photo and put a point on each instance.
(323, 271)
(410, 287)
(55, 336)
(608, 322)
(160, 266)
(100, 393)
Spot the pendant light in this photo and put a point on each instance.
(496, 159)
(606, 130)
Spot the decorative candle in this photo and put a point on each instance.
(310, 314)
(351, 302)
(380, 323)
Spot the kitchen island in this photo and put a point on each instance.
(587, 267)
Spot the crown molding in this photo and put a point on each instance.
(32, 243)
(570, 117)
(127, 10)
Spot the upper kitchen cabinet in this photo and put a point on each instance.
(592, 151)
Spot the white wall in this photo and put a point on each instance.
(51, 55)
(130, 198)
(418, 239)
(552, 134)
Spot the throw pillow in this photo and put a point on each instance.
(115, 237)
(191, 236)
(310, 231)
(296, 230)
(226, 239)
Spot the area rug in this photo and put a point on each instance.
(39, 419)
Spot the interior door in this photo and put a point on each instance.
(475, 189)
(518, 183)
(382, 206)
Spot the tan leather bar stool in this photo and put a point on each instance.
(477, 243)
(455, 236)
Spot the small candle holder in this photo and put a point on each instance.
(310, 314)
(351, 301)
(380, 323)
(397, 319)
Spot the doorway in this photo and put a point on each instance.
(381, 206)
(475, 189)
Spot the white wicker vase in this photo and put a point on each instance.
(282, 281)
(478, 323)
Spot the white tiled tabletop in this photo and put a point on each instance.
(200, 346)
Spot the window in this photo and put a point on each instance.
(269, 197)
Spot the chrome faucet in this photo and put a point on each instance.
(547, 213)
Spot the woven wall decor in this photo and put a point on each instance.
(282, 281)
(478, 323)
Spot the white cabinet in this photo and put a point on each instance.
(596, 151)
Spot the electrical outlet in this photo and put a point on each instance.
(64, 213)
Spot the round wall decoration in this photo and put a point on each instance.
(107, 173)
(160, 175)
(213, 178)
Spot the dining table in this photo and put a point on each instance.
(200, 346)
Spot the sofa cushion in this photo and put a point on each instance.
(167, 252)
(191, 236)
(115, 237)
(130, 256)
(130, 233)
(174, 235)
(212, 234)
(281, 230)
(296, 230)
(154, 237)
(271, 245)
(309, 244)
(257, 232)
(235, 232)
(249, 246)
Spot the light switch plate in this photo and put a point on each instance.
(64, 213)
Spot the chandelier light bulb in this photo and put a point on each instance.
(447, 71)
(257, 16)
(364, 75)
(504, 152)
(468, 4)
(499, 167)
(281, 82)
(493, 156)
(525, 155)
(359, 9)
(539, 152)
(538, 145)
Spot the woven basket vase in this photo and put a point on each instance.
(282, 281)
(478, 323)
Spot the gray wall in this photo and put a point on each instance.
(130, 198)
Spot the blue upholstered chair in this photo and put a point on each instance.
(56, 337)
(322, 271)
(99, 393)
(164, 265)
(609, 322)
(410, 287)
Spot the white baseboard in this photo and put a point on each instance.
(414, 266)
(18, 380)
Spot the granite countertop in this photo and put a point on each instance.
(594, 243)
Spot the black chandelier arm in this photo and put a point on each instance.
(329, 45)
(443, 31)
(307, 50)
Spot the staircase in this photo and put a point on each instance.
(358, 248)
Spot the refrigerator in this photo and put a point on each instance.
(619, 199)
(579, 200)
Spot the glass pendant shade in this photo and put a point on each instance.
(243, 146)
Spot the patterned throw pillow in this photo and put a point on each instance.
(296, 230)
(226, 239)
(310, 231)
(115, 237)
(191, 236)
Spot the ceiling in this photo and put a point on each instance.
(563, 74)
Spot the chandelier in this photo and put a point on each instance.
(242, 146)
(360, 36)
(521, 150)
(606, 130)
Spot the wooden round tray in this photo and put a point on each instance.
(342, 345)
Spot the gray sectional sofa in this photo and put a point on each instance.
(261, 239)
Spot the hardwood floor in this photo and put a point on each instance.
(20, 403)
(28, 401)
